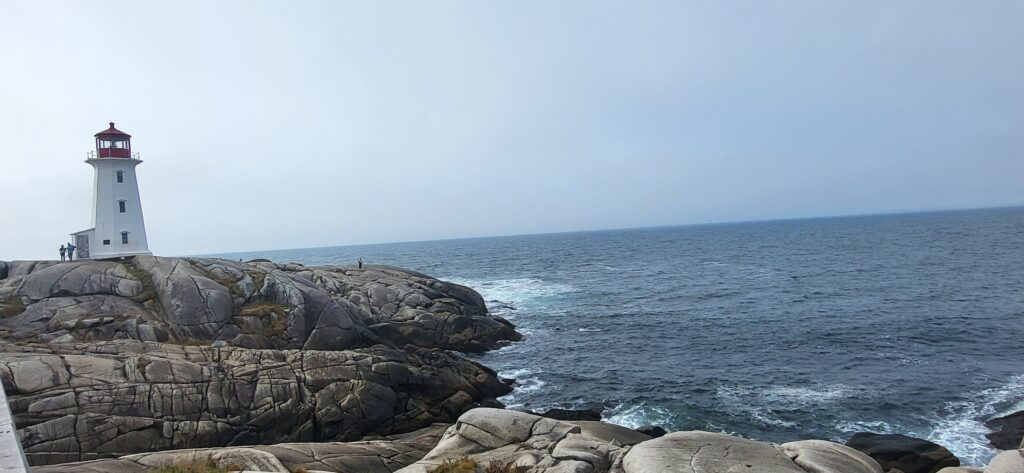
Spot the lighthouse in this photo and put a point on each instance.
(118, 228)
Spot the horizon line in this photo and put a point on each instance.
(641, 227)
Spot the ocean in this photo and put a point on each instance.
(780, 330)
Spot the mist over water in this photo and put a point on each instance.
(774, 330)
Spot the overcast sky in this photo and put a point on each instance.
(270, 125)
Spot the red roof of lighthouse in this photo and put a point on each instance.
(112, 132)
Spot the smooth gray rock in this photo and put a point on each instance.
(705, 452)
(1010, 461)
(819, 456)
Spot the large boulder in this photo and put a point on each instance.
(819, 455)
(706, 452)
(1011, 461)
(254, 305)
(108, 399)
(1007, 431)
(538, 444)
(903, 453)
(516, 438)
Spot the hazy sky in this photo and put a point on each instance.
(296, 124)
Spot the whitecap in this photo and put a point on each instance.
(636, 415)
(876, 426)
(761, 404)
(961, 425)
(589, 329)
(515, 293)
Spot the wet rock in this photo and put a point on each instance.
(653, 431)
(903, 453)
(1007, 431)
(570, 414)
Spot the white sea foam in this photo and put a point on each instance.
(636, 415)
(590, 329)
(761, 404)
(961, 425)
(526, 383)
(852, 427)
(517, 292)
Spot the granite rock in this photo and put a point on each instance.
(109, 399)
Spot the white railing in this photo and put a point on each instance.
(12, 457)
(92, 155)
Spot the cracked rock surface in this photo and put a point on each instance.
(551, 446)
(376, 456)
(254, 305)
(109, 399)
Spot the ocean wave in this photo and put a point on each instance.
(961, 425)
(526, 384)
(636, 415)
(763, 404)
(878, 427)
(590, 329)
(515, 292)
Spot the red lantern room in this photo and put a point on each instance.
(113, 143)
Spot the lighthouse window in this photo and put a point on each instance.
(120, 205)
(120, 176)
(106, 242)
(124, 238)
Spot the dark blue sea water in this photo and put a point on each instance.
(778, 330)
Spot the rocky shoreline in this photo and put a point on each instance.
(128, 366)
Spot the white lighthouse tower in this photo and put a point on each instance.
(118, 228)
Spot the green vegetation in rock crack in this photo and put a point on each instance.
(462, 465)
(142, 363)
(148, 292)
(272, 315)
(11, 307)
(498, 466)
(209, 466)
(258, 279)
(300, 469)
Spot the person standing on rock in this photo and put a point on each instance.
(71, 252)
(62, 250)
(360, 262)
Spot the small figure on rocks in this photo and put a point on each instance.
(360, 262)
(62, 250)
(71, 252)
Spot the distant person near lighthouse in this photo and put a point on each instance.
(71, 252)
(360, 262)
(62, 250)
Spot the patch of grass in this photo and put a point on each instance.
(148, 292)
(462, 465)
(142, 363)
(11, 307)
(264, 309)
(272, 315)
(209, 466)
(258, 279)
(498, 466)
